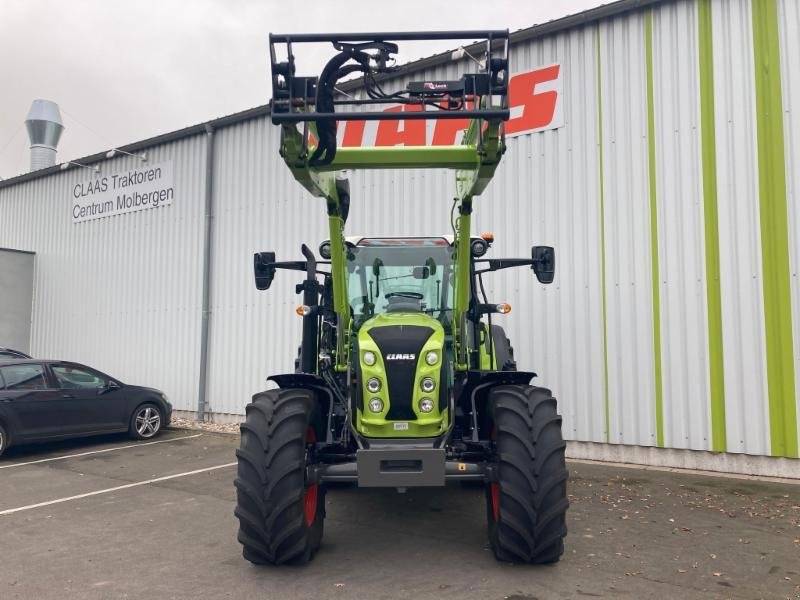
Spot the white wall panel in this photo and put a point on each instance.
(739, 230)
(258, 206)
(681, 243)
(631, 371)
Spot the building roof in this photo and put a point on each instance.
(523, 35)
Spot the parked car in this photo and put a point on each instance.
(9, 353)
(44, 400)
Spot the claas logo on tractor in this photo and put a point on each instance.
(405, 376)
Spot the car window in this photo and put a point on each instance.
(73, 378)
(23, 377)
(6, 354)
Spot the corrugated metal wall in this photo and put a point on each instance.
(122, 293)
(635, 191)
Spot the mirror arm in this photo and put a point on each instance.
(495, 264)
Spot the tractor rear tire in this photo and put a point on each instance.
(280, 516)
(527, 505)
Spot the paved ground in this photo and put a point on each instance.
(633, 534)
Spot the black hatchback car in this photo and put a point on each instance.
(44, 400)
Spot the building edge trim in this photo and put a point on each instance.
(701, 462)
(711, 463)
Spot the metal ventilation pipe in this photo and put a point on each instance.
(44, 130)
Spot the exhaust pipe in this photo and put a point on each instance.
(44, 130)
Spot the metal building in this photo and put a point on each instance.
(666, 178)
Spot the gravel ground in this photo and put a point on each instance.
(178, 423)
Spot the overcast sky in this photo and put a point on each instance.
(125, 71)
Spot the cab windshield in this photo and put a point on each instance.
(400, 275)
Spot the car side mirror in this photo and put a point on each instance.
(263, 269)
(421, 272)
(110, 387)
(544, 263)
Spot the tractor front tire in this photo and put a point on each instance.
(280, 515)
(527, 505)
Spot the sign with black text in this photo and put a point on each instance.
(142, 188)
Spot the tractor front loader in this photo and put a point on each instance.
(402, 379)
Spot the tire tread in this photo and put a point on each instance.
(532, 476)
(270, 479)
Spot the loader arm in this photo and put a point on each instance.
(303, 108)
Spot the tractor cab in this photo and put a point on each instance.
(400, 275)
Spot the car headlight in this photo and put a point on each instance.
(369, 358)
(428, 385)
(432, 358)
(426, 405)
(376, 405)
(374, 385)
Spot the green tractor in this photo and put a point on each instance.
(402, 379)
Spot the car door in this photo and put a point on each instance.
(90, 403)
(30, 401)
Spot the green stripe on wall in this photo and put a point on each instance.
(708, 143)
(651, 159)
(774, 229)
(602, 238)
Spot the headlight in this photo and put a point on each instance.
(369, 358)
(432, 358)
(325, 250)
(376, 405)
(374, 385)
(479, 247)
(428, 385)
(426, 405)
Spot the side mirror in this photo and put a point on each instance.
(431, 264)
(421, 272)
(263, 269)
(544, 263)
(110, 386)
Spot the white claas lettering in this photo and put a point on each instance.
(401, 356)
(534, 99)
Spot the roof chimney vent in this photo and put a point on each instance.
(44, 130)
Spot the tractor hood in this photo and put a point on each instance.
(402, 347)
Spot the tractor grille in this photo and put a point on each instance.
(400, 374)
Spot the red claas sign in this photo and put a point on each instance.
(534, 99)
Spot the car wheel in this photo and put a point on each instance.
(3, 440)
(146, 422)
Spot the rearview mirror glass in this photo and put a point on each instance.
(431, 264)
(421, 272)
(376, 267)
(544, 263)
(263, 269)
